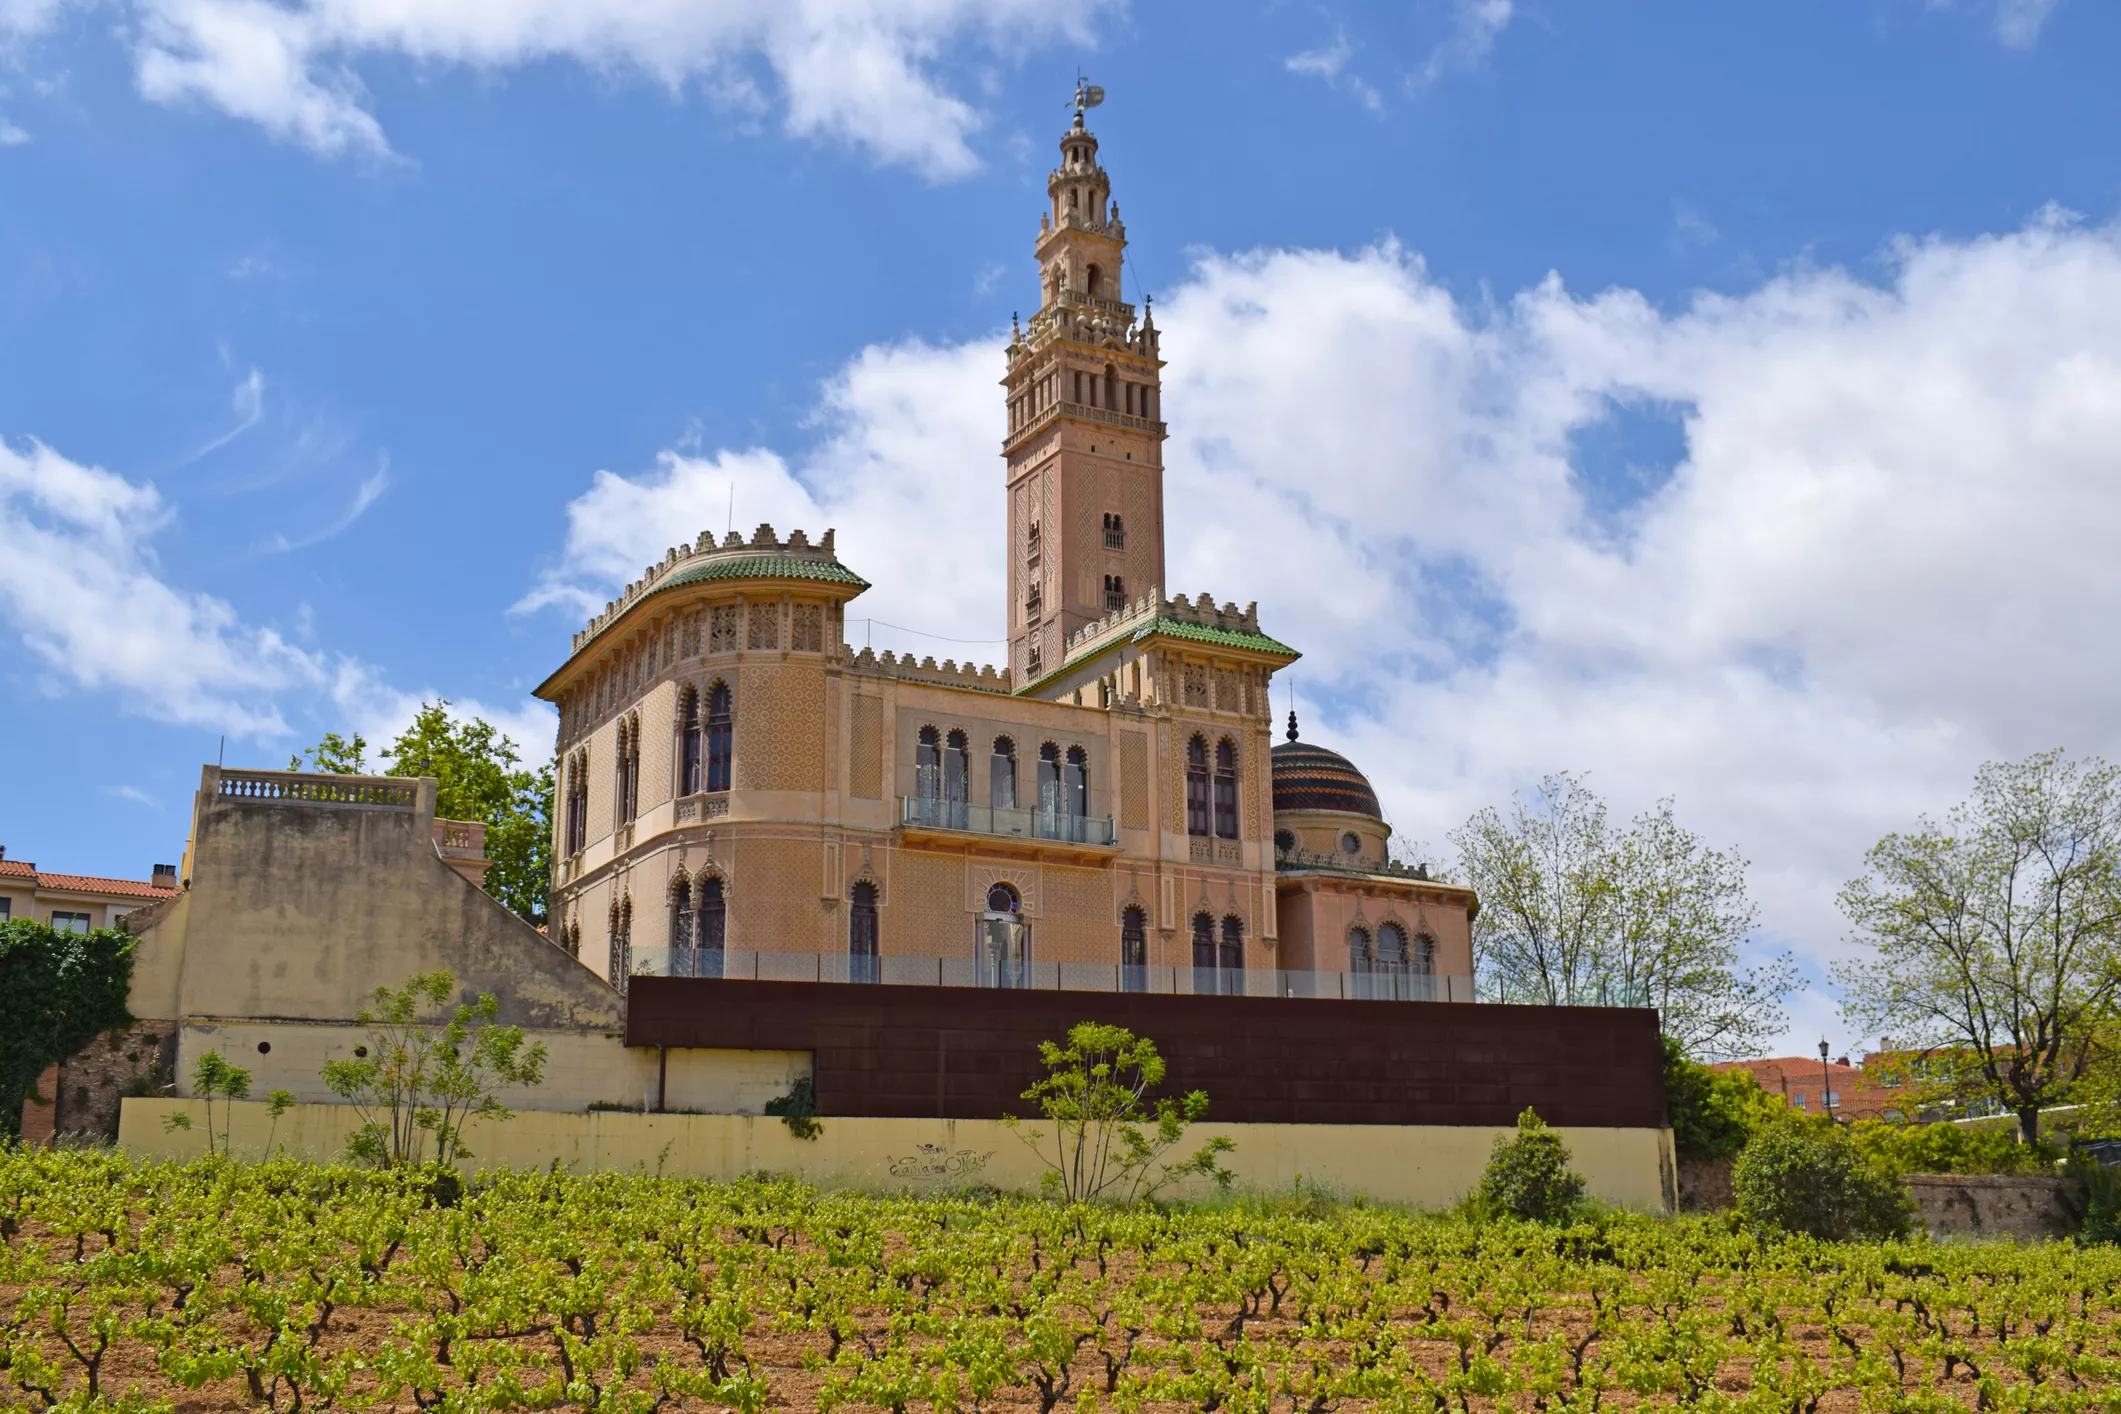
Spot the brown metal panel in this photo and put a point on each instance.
(959, 1053)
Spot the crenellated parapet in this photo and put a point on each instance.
(1144, 612)
(763, 556)
(949, 673)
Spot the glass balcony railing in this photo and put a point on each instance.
(891, 971)
(937, 814)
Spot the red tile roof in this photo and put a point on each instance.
(80, 883)
(92, 884)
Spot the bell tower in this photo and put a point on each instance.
(1085, 440)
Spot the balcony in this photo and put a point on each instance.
(890, 971)
(962, 817)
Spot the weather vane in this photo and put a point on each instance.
(1087, 95)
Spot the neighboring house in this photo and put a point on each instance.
(1845, 1091)
(76, 902)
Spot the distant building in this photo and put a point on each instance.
(1866, 1091)
(76, 903)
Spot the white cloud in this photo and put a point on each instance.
(10, 135)
(859, 72)
(365, 495)
(80, 585)
(1330, 65)
(1476, 25)
(1884, 556)
(2018, 22)
(25, 19)
(134, 794)
(909, 447)
(249, 407)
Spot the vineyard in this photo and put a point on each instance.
(289, 1287)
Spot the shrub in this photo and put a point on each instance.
(1713, 1111)
(1804, 1176)
(2101, 1190)
(1949, 1148)
(1528, 1176)
(798, 1109)
(1109, 1139)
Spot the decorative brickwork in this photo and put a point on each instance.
(762, 626)
(778, 909)
(1196, 685)
(1077, 925)
(1226, 697)
(1133, 781)
(722, 635)
(865, 773)
(925, 914)
(807, 628)
(778, 746)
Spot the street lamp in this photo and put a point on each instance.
(1826, 1084)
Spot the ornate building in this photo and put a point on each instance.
(742, 794)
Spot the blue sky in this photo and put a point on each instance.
(1698, 350)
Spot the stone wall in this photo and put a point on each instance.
(1994, 1205)
(1704, 1185)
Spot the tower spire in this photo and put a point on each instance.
(1085, 439)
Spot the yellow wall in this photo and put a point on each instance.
(1428, 1166)
(582, 1067)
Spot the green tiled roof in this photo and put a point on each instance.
(1176, 628)
(1208, 633)
(763, 567)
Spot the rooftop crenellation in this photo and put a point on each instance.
(949, 673)
(705, 550)
(1153, 605)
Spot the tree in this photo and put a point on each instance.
(420, 1079)
(339, 755)
(1574, 912)
(212, 1076)
(1528, 1175)
(1108, 1139)
(1713, 1112)
(478, 776)
(1995, 934)
(1804, 1176)
(58, 992)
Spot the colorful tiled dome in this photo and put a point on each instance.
(1308, 777)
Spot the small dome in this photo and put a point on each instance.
(1308, 777)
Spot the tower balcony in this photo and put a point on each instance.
(1153, 426)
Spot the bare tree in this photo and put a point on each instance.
(1574, 912)
(1995, 935)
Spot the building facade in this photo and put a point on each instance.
(741, 794)
(76, 903)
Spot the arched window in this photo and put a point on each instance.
(1233, 955)
(1092, 279)
(1034, 660)
(1204, 954)
(1004, 940)
(1391, 965)
(1133, 950)
(689, 744)
(1197, 797)
(681, 926)
(1111, 388)
(1422, 963)
(862, 963)
(1115, 593)
(1361, 961)
(713, 930)
(957, 773)
(571, 819)
(1115, 532)
(721, 737)
(1225, 790)
(1001, 775)
(928, 776)
(629, 782)
(1075, 778)
(1050, 815)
